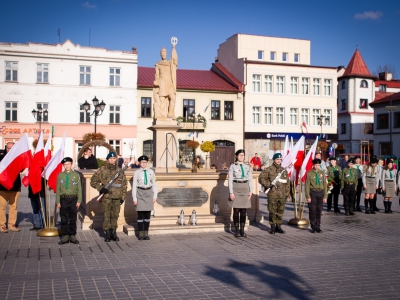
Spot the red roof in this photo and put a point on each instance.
(218, 79)
(390, 84)
(357, 67)
(385, 97)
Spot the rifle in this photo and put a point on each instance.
(108, 185)
(273, 183)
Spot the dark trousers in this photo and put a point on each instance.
(315, 208)
(334, 195)
(36, 208)
(349, 195)
(358, 194)
(68, 212)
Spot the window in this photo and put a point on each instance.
(256, 115)
(84, 75)
(327, 87)
(256, 83)
(296, 57)
(115, 74)
(304, 86)
(280, 120)
(148, 149)
(215, 110)
(43, 106)
(316, 83)
(280, 82)
(42, 73)
(272, 55)
(396, 120)
(343, 85)
(228, 110)
(188, 107)
(268, 115)
(382, 87)
(293, 116)
(268, 83)
(114, 114)
(344, 104)
(364, 103)
(260, 54)
(294, 85)
(383, 121)
(316, 114)
(364, 83)
(304, 115)
(385, 148)
(284, 56)
(343, 128)
(145, 107)
(11, 111)
(84, 117)
(328, 117)
(116, 144)
(12, 71)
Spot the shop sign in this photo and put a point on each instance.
(4, 130)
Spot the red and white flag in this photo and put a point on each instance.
(47, 151)
(286, 149)
(307, 164)
(296, 153)
(34, 175)
(54, 166)
(17, 159)
(305, 126)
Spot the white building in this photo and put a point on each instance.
(282, 90)
(60, 78)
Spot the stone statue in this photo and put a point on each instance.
(164, 86)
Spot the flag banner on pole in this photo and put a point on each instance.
(296, 153)
(207, 107)
(307, 164)
(47, 151)
(54, 166)
(190, 134)
(305, 126)
(197, 134)
(36, 167)
(286, 148)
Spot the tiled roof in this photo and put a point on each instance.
(357, 67)
(194, 79)
(389, 84)
(384, 97)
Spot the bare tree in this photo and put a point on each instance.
(389, 68)
(132, 145)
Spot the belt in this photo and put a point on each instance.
(69, 196)
(370, 176)
(142, 188)
(317, 189)
(389, 180)
(238, 181)
(349, 183)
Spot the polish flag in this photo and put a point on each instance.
(54, 167)
(47, 151)
(363, 103)
(297, 153)
(286, 149)
(291, 144)
(307, 164)
(305, 126)
(16, 160)
(36, 168)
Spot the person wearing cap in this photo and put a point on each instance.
(144, 194)
(277, 194)
(389, 186)
(334, 176)
(371, 183)
(68, 200)
(359, 169)
(316, 193)
(348, 185)
(240, 184)
(113, 197)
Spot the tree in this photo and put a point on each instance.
(389, 68)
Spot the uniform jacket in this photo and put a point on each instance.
(371, 171)
(235, 173)
(72, 186)
(311, 182)
(388, 175)
(88, 163)
(103, 176)
(138, 181)
(281, 191)
(349, 177)
(17, 182)
(334, 174)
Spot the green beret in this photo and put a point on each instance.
(111, 154)
(276, 155)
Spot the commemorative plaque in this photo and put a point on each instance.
(179, 197)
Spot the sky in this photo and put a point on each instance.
(335, 28)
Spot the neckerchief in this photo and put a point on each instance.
(145, 177)
(241, 166)
(66, 180)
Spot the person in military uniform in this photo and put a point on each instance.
(316, 193)
(359, 168)
(348, 186)
(388, 186)
(113, 197)
(240, 184)
(371, 182)
(334, 176)
(144, 194)
(68, 200)
(277, 194)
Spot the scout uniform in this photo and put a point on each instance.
(389, 186)
(144, 191)
(68, 194)
(114, 196)
(348, 185)
(277, 194)
(240, 184)
(334, 176)
(316, 190)
(371, 181)
(359, 168)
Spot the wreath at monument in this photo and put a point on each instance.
(94, 139)
(207, 146)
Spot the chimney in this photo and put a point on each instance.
(134, 51)
(385, 76)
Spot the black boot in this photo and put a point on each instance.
(278, 229)
(366, 206)
(385, 203)
(114, 235)
(108, 236)
(242, 234)
(371, 204)
(390, 207)
(111, 234)
(374, 202)
(236, 229)
(272, 231)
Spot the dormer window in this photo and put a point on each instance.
(364, 83)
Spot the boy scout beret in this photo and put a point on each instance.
(316, 161)
(65, 159)
(276, 155)
(332, 158)
(351, 160)
(143, 157)
(239, 151)
(111, 154)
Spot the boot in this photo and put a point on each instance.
(111, 234)
(385, 203)
(242, 234)
(140, 238)
(390, 207)
(64, 240)
(374, 202)
(146, 235)
(236, 229)
(73, 240)
(272, 231)
(114, 235)
(366, 206)
(371, 204)
(278, 229)
(108, 236)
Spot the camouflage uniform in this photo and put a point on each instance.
(111, 202)
(348, 185)
(334, 176)
(276, 195)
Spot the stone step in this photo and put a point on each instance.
(178, 229)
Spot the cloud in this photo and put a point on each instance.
(373, 15)
(88, 5)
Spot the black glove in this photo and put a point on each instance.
(104, 191)
(121, 202)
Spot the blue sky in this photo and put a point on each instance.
(334, 27)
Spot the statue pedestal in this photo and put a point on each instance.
(165, 145)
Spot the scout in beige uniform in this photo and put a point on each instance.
(371, 182)
(388, 186)
(240, 184)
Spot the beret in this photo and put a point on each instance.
(143, 157)
(111, 154)
(351, 160)
(374, 160)
(332, 158)
(316, 161)
(239, 151)
(357, 157)
(65, 159)
(276, 155)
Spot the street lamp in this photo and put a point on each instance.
(39, 114)
(98, 111)
(322, 120)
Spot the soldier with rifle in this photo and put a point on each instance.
(111, 182)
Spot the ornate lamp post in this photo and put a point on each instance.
(98, 111)
(323, 120)
(39, 114)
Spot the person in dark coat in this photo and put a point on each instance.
(88, 160)
(38, 209)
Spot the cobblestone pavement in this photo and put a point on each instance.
(354, 258)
